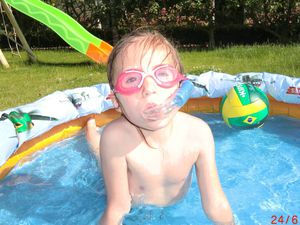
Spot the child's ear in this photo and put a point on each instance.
(115, 102)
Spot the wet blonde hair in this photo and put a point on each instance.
(148, 39)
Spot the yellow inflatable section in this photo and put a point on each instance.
(204, 104)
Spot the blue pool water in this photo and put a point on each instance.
(259, 170)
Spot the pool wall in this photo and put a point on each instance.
(26, 129)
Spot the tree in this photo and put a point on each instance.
(279, 17)
(211, 24)
(89, 13)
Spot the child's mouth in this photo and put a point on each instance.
(154, 111)
(150, 106)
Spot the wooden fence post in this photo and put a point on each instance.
(3, 60)
(18, 31)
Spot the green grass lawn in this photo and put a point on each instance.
(233, 60)
(59, 70)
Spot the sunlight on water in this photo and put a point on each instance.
(259, 170)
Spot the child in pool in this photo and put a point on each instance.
(146, 160)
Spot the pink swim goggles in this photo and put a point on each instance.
(131, 80)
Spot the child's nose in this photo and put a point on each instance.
(149, 86)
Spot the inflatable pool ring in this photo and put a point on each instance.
(244, 106)
(27, 129)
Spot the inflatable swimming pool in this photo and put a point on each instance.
(63, 184)
(29, 128)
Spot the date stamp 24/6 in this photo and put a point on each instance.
(284, 219)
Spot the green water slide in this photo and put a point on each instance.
(66, 27)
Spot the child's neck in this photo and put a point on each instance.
(158, 139)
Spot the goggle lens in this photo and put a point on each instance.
(131, 80)
(166, 75)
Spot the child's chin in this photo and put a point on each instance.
(157, 124)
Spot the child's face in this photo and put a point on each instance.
(150, 93)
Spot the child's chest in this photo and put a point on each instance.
(165, 166)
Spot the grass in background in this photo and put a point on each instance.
(233, 60)
(56, 70)
(60, 70)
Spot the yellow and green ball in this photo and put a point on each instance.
(245, 106)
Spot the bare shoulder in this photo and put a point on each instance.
(115, 136)
(115, 127)
(196, 131)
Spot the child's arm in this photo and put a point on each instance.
(214, 201)
(93, 137)
(114, 168)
